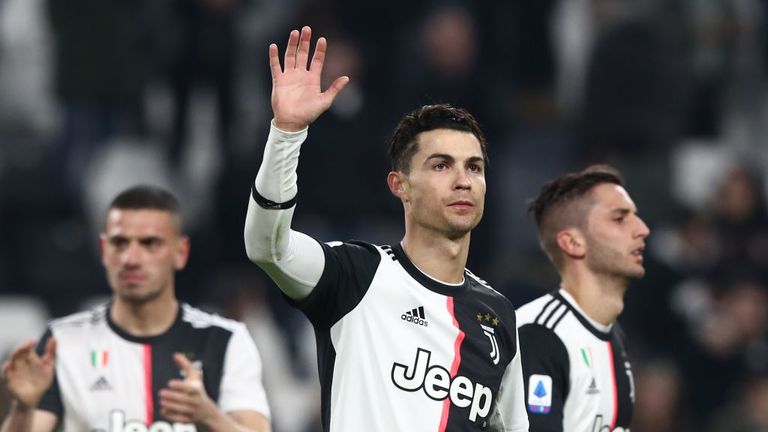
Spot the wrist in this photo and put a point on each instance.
(216, 421)
(289, 127)
(17, 405)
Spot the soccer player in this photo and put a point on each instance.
(143, 362)
(408, 339)
(575, 366)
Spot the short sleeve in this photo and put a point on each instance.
(241, 383)
(347, 275)
(51, 400)
(545, 375)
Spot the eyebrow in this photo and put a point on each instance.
(623, 211)
(448, 157)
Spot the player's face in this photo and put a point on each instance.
(615, 233)
(446, 183)
(141, 250)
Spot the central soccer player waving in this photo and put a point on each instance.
(408, 339)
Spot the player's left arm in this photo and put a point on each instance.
(511, 398)
(186, 401)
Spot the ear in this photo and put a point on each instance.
(102, 244)
(398, 185)
(572, 242)
(182, 253)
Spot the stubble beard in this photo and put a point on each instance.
(611, 263)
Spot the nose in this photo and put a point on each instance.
(131, 255)
(463, 180)
(642, 230)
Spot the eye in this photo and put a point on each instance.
(475, 168)
(118, 242)
(440, 166)
(151, 243)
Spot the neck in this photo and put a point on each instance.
(600, 297)
(144, 319)
(439, 257)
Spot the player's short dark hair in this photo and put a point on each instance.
(147, 197)
(552, 208)
(429, 117)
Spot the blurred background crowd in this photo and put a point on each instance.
(97, 95)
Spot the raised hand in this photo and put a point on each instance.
(185, 400)
(28, 375)
(297, 99)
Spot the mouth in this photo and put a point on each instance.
(461, 204)
(131, 278)
(638, 254)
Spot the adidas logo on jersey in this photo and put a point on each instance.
(438, 385)
(117, 423)
(593, 388)
(416, 316)
(101, 384)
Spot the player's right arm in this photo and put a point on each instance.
(27, 377)
(293, 260)
(546, 369)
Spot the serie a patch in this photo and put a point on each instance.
(539, 394)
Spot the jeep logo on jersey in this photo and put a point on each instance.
(416, 316)
(437, 384)
(117, 423)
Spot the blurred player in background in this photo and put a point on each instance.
(144, 361)
(575, 366)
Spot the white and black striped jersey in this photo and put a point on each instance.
(107, 380)
(577, 375)
(400, 351)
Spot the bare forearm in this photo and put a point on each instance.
(241, 422)
(19, 419)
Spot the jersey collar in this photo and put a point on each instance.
(141, 339)
(427, 281)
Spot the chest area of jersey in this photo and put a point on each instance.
(601, 388)
(111, 384)
(427, 337)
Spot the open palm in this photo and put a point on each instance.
(297, 99)
(28, 375)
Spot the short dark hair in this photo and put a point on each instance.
(147, 197)
(552, 207)
(430, 117)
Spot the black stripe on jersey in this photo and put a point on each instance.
(547, 311)
(390, 253)
(51, 400)
(587, 325)
(623, 376)
(347, 275)
(476, 362)
(205, 346)
(556, 315)
(544, 353)
(554, 325)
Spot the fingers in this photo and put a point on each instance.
(318, 58)
(49, 355)
(177, 407)
(190, 371)
(274, 61)
(337, 86)
(304, 43)
(290, 50)
(23, 352)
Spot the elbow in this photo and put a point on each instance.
(256, 251)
